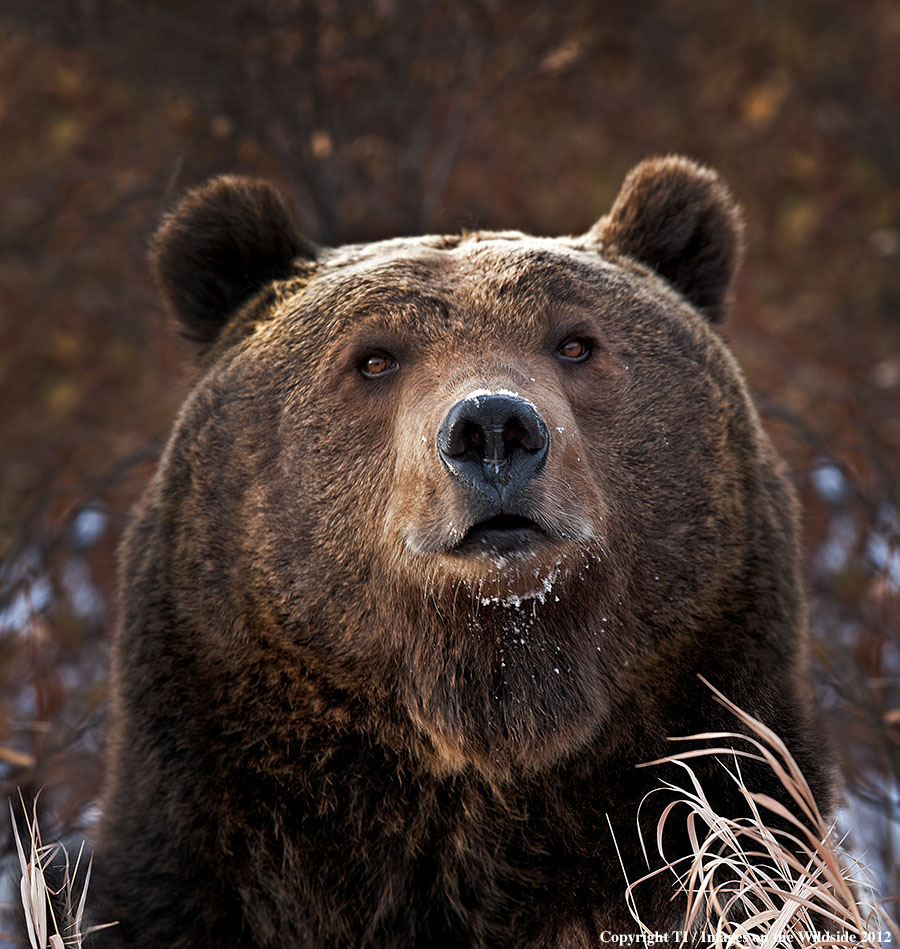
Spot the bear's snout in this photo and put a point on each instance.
(494, 444)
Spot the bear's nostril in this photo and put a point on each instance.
(515, 436)
(471, 439)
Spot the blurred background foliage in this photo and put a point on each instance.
(401, 116)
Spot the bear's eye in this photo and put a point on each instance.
(377, 364)
(574, 350)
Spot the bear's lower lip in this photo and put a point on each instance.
(503, 533)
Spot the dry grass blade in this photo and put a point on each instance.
(38, 896)
(773, 877)
(33, 887)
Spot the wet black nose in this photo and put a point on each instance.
(494, 444)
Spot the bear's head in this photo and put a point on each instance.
(486, 486)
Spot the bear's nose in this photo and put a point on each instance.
(494, 443)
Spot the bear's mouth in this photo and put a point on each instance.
(502, 533)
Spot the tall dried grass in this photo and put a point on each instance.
(777, 877)
(53, 917)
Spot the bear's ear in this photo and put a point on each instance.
(679, 219)
(220, 245)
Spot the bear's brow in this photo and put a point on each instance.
(384, 308)
(426, 288)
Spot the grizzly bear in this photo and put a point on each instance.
(443, 539)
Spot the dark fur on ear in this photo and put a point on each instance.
(224, 242)
(679, 219)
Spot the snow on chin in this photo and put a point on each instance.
(539, 593)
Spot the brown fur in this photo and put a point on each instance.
(328, 728)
